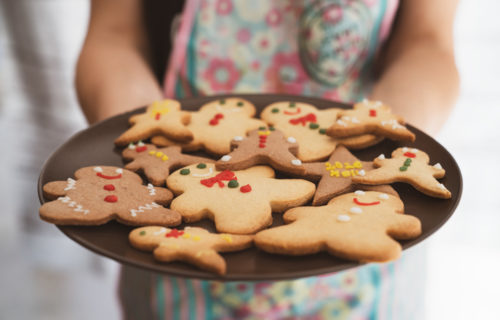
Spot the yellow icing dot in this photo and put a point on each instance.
(346, 174)
(227, 237)
(354, 173)
(165, 158)
(357, 165)
(160, 107)
(334, 173)
(152, 152)
(338, 164)
(159, 154)
(264, 133)
(186, 235)
(196, 238)
(328, 165)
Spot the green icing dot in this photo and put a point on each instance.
(313, 125)
(262, 128)
(403, 168)
(222, 101)
(185, 172)
(322, 130)
(233, 184)
(142, 233)
(201, 166)
(407, 162)
(275, 110)
(272, 128)
(292, 105)
(240, 104)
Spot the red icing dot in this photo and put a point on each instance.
(111, 198)
(409, 154)
(373, 113)
(213, 122)
(219, 116)
(262, 145)
(246, 188)
(109, 187)
(174, 233)
(141, 149)
(157, 116)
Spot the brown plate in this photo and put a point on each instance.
(94, 146)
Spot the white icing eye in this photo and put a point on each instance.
(355, 120)
(291, 140)
(383, 196)
(343, 218)
(131, 146)
(438, 166)
(238, 138)
(296, 162)
(356, 210)
(381, 156)
(405, 149)
(225, 158)
(340, 122)
(346, 118)
(361, 172)
(97, 169)
(414, 150)
(359, 192)
(140, 144)
(119, 170)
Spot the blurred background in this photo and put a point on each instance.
(44, 275)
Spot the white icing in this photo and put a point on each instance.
(414, 150)
(405, 149)
(355, 120)
(140, 144)
(70, 185)
(438, 166)
(343, 218)
(381, 156)
(119, 170)
(359, 192)
(346, 118)
(148, 206)
(441, 186)
(210, 171)
(356, 210)
(73, 204)
(161, 231)
(225, 158)
(238, 138)
(291, 140)
(97, 169)
(131, 146)
(393, 122)
(342, 123)
(361, 172)
(383, 196)
(151, 189)
(296, 162)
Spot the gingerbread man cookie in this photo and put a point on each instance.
(192, 245)
(161, 117)
(356, 226)
(411, 166)
(157, 163)
(263, 146)
(370, 117)
(239, 202)
(335, 175)
(216, 124)
(307, 125)
(102, 193)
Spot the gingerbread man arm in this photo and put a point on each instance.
(404, 226)
(55, 189)
(207, 259)
(438, 171)
(192, 206)
(283, 196)
(160, 195)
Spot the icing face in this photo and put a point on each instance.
(411, 153)
(358, 199)
(230, 105)
(99, 172)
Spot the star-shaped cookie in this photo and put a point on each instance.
(156, 163)
(263, 146)
(103, 193)
(216, 124)
(356, 226)
(239, 202)
(193, 245)
(411, 166)
(307, 125)
(335, 175)
(371, 117)
(161, 117)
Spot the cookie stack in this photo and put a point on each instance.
(331, 200)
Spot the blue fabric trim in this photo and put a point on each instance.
(205, 285)
(160, 297)
(191, 300)
(176, 298)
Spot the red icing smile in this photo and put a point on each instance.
(118, 176)
(292, 113)
(310, 117)
(356, 201)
